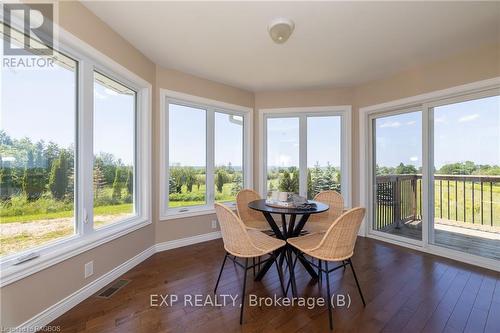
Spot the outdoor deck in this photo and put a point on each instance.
(473, 241)
(466, 212)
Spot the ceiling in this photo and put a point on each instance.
(334, 43)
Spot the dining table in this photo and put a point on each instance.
(288, 230)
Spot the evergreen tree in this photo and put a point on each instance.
(190, 178)
(310, 193)
(237, 184)
(33, 179)
(221, 179)
(6, 183)
(294, 185)
(99, 181)
(172, 186)
(117, 185)
(285, 182)
(58, 181)
(130, 182)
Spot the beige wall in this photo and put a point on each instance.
(27, 297)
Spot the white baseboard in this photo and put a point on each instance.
(64, 305)
(187, 241)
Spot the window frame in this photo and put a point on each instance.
(210, 106)
(342, 111)
(85, 237)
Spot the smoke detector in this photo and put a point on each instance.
(280, 30)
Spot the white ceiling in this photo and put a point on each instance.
(334, 43)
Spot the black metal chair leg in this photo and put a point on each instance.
(357, 283)
(320, 276)
(253, 266)
(220, 273)
(282, 258)
(290, 280)
(258, 263)
(345, 264)
(328, 296)
(243, 293)
(280, 275)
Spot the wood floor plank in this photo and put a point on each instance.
(405, 290)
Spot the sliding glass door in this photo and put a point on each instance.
(466, 177)
(397, 174)
(435, 174)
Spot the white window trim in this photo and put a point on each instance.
(85, 237)
(344, 111)
(170, 96)
(425, 102)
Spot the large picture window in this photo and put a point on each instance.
(74, 156)
(37, 190)
(206, 154)
(306, 150)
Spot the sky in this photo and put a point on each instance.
(187, 137)
(40, 104)
(323, 141)
(467, 131)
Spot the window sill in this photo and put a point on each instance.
(67, 249)
(194, 211)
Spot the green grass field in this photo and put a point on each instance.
(457, 205)
(225, 196)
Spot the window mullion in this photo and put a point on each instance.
(210, 156)
(85, 149)
(427, 175)
(303, 155)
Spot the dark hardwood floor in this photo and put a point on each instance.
(405, 291)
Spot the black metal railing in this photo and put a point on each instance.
(461, 198)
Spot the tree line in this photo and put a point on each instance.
(459, 168)
(36, 168)
(318, 179)
(191, 178)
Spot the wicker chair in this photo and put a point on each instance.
(337, 244)
(251, 218)
(322, 221)
(244, 243)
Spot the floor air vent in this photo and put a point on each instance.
(112, 288)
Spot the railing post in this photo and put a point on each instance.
(414, 197)
(397, 201)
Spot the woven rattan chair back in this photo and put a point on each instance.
(234, 234)
(336, 203)
(243, 198)
(338, 242)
